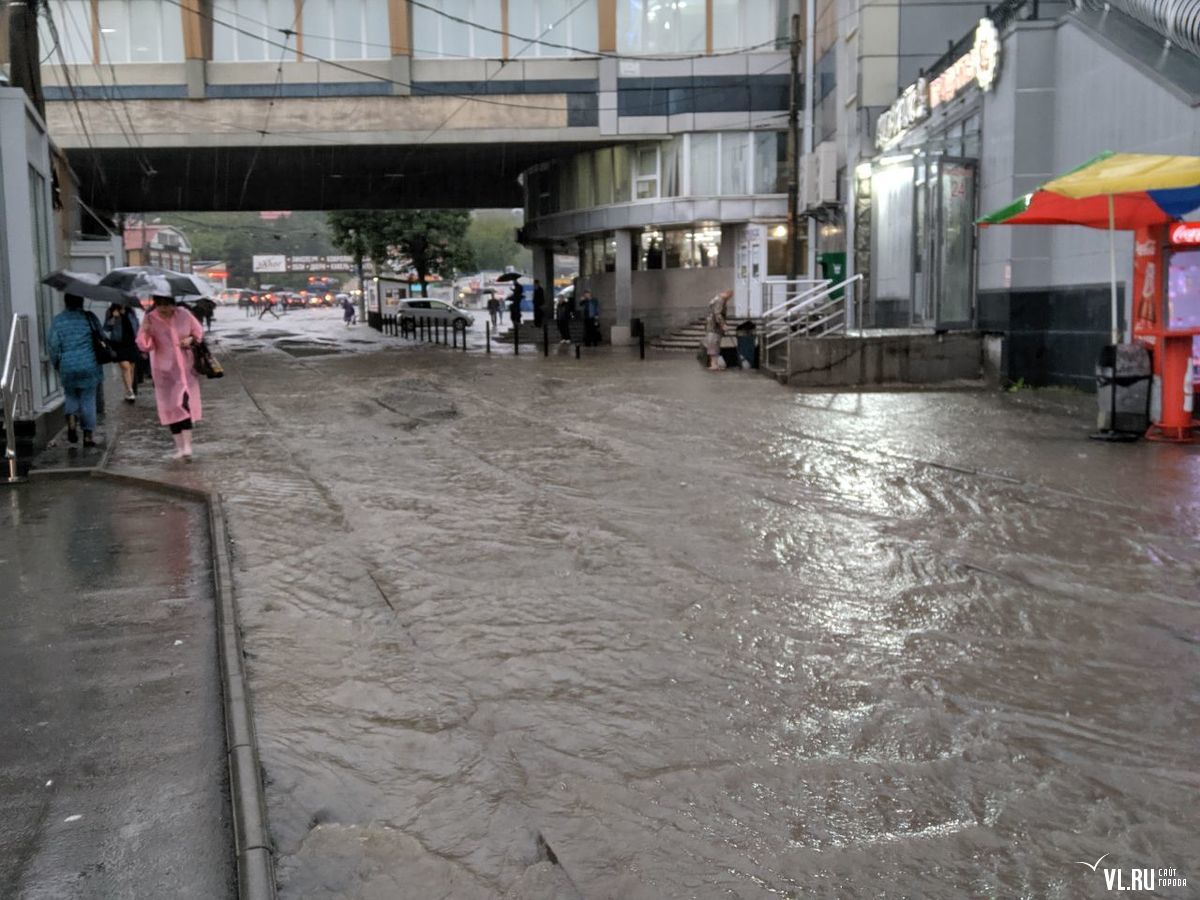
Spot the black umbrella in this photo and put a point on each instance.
(85, 284)
(155, 281)
(510, 276)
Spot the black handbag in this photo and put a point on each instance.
(100, 346)
(204, 362)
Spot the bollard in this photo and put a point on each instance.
(641, 339)
(577, 346)
(545, 337)
(516, 339)
(487, 335)
(464, 339)
(445, 332)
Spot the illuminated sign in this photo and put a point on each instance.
(911, 107)
(979, 66)
(1186, 234)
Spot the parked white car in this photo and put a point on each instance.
(435, 311)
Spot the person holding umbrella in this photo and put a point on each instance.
(121, 328)
(73, 354)
(168, 334)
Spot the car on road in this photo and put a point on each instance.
(435, 311)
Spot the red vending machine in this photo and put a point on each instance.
(1166, 320)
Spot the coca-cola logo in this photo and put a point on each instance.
(1185, 233)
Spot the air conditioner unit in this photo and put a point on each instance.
(825, 189)
(807, 182)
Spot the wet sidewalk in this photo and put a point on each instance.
(112, 741)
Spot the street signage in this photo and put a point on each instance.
(979, 65)
(1185, 234)
(280, 263)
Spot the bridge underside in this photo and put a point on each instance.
(295, 177)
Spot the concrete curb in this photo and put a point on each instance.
(252, 840)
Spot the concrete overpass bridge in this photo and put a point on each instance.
(233, 113)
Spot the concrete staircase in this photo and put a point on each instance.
(688, 337)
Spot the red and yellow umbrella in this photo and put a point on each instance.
(1117, 191)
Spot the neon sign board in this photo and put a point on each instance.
(980, 65)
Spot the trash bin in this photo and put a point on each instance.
(747, 345)
(1123, 378)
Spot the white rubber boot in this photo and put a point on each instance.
(187, 445)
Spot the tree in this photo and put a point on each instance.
(427, 240)
(492, 236)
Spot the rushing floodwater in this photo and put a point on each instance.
(695, 635)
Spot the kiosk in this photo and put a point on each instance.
(1166, 320)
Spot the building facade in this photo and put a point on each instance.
(163, 246)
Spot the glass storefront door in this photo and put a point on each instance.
(944, 266)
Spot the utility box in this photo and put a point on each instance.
(1123, 377)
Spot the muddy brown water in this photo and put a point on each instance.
(700, 636)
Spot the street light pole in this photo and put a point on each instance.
(793, 155)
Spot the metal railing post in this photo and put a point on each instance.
(487, 335)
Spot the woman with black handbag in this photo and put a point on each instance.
(168, 334)
(74, 344)
(121, 328)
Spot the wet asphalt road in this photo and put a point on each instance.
(699, 635)
(112, 742)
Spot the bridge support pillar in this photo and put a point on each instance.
(623, 289)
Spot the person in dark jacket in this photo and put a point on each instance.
(121, 328)
(564, 315)
(539, 303)
(591, 320)
(514, 303)
(74, 356)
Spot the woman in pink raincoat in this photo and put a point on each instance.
(167, 334)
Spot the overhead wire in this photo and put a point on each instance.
(66, 73)
(130, 135)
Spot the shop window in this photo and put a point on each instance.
(603, 164)
(702, 247)
(257, 24)
(651, 250)
(770, 162)
(585, 181)
(346, 29)
(566, 186)
(568, 22)
(73, 23)
(139, 31)
(738, 24)
(646, 179)
(436, 36)
(735, 162)
(622, 174)
(675, 249)
(703, 158)
(649, 26)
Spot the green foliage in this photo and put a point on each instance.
(428, 240)
(235, 237)
(1018, 385)
(492, 237)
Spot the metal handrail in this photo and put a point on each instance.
(821, 312)
(816, 285)
(16, 387)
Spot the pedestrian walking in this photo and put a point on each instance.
(72, 347)
(591, 320)
(121, 328)
(167, 334)
(563, 316)
(268, 306)
(349, 313)
(493, 308)
(539, 303)
(715, 326)
(514, 304)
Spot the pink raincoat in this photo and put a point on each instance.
(171, 365)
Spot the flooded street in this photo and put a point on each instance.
(693, 635)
